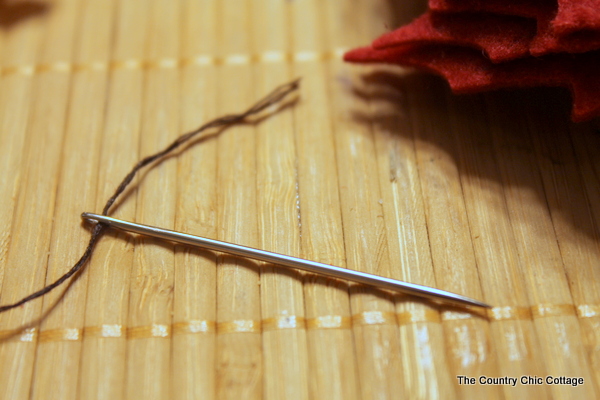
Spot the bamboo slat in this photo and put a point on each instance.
(104, 351)
(38, 179)
(83, 130)
(585, 141)
(425, 366)
(152, 279)
(374, 168)
(327, 306)
(469, 344)
(20, 47)
(375, 330)
(547, 283)
(426, 373)
(193, 361)
(284, 343)
(494, 247)
(239, 356)
(575, 228)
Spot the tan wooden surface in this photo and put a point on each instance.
(376, 168)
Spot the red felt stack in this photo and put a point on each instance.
(479, 45)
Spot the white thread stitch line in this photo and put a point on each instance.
(170, 63)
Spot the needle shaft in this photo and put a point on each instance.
(288, 261)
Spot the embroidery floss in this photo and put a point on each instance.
(273, 98)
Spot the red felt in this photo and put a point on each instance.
(549, 40)
(522, 8)
(480, 45)
(468, 71)
(569, 26)
(503, 38)
(577, 15)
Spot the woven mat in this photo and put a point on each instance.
(377, 169)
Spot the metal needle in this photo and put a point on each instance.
(287, 261)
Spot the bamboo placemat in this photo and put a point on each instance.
(377, 169)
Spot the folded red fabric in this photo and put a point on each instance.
(482, 45)
(522, 8)
(568, 16)
(468, 71)
(577, 15)
(569, 26)
(550, 40)
(502, 37)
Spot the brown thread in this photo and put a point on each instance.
(552, 310)
(56, 67)
(588, 310)
(509, 313)
(151, 331)
(329, 322)
(127, 64)
(374, 318)
(195, 326)
(415, 316)
(242, 325)
(24, 335)
(460, 315)
(103, 331)
(60, 335)
(272, 56)
(21, 70)
(272, 98)
(283, 322)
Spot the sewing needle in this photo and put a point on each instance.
(287, 261)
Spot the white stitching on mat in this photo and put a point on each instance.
(266, 57)
(298, 322)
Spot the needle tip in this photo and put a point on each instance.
(484, 305)
(476, 303)
(467, 301)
